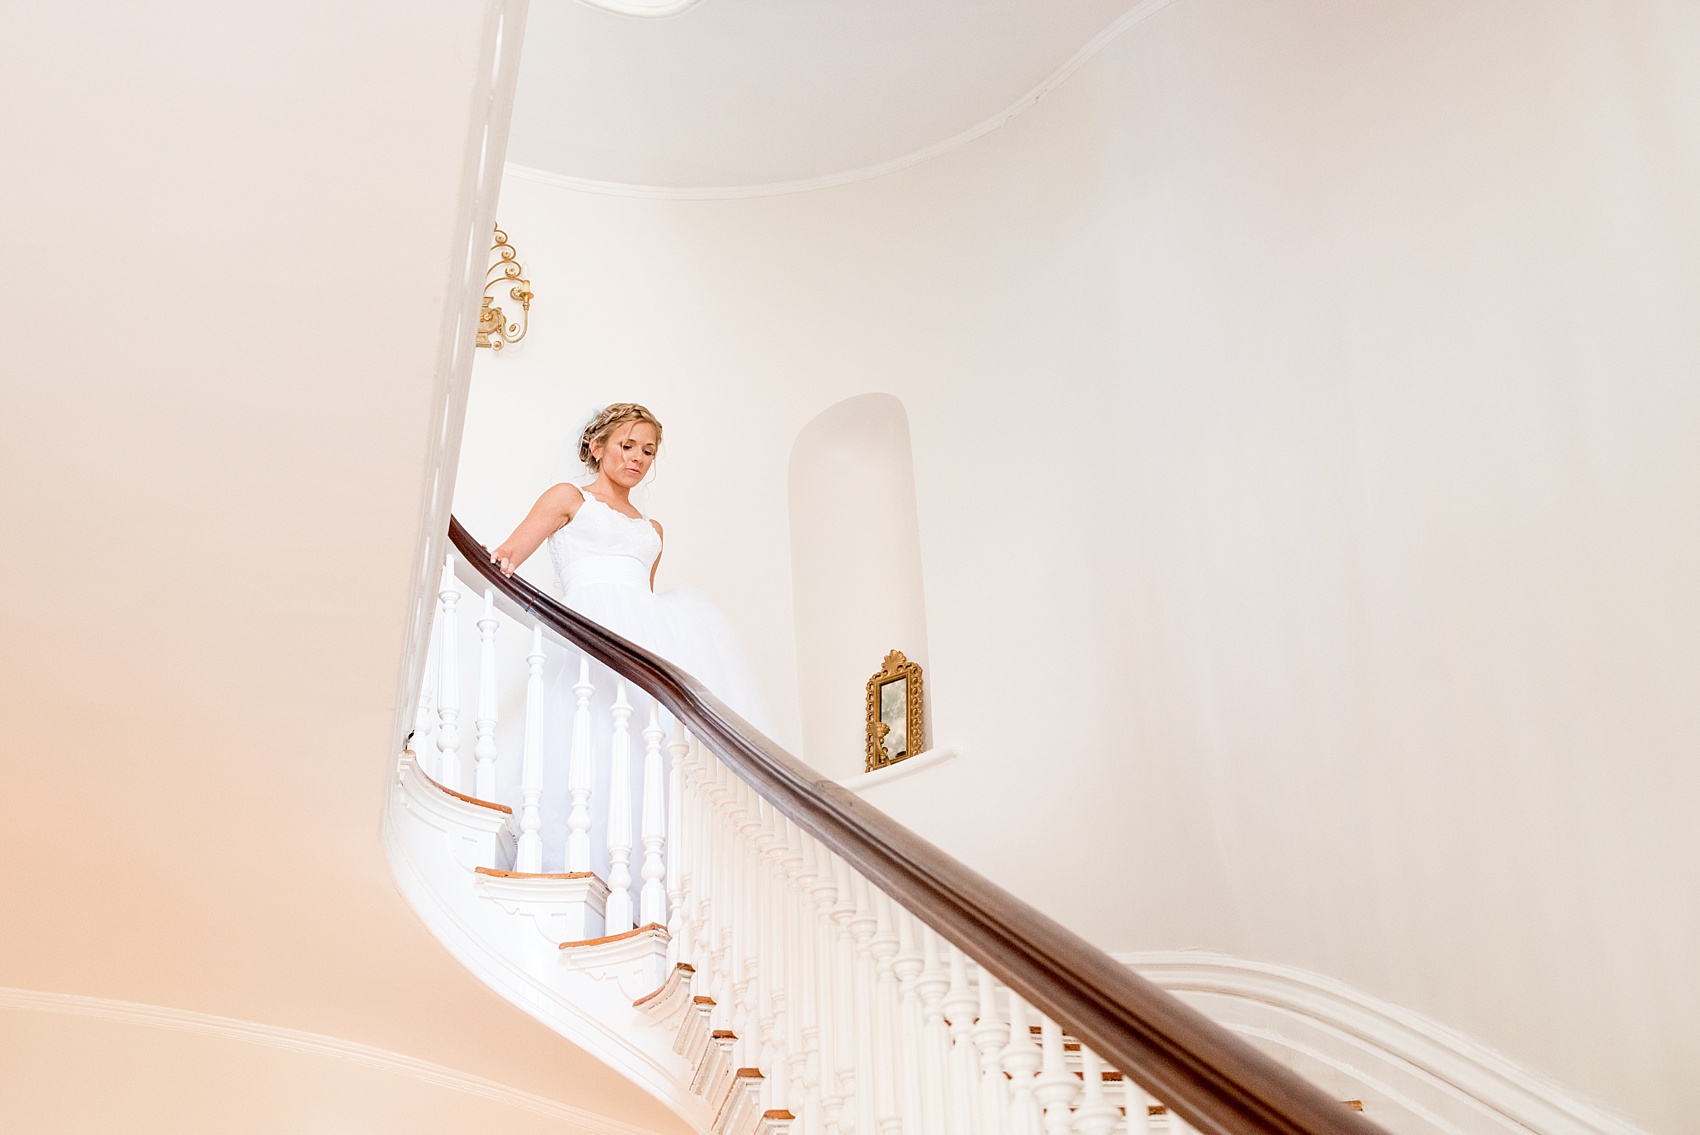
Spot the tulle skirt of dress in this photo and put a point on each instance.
(680, 625)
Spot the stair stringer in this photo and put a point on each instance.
(430, 839)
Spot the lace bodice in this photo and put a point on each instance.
(604, 544)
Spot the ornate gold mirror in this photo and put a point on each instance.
(896, 727)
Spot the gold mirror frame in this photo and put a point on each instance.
(896, 668)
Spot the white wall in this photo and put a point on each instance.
(1305, 422)
(855, 571)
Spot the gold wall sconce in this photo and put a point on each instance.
(494, 328)
(896, 725)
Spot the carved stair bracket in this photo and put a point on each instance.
(562, 908)
(636, 961)
(472, 831)
(666, 1006)
(741, 1110)
(692, 1038)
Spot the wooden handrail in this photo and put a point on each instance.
(1216, 1081)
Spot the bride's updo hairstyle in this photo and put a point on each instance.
(603, 425)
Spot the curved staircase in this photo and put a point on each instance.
(783, 958)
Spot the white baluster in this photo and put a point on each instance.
(1137, 1107)
(530, 853)
(886, 1051)
(793, 980)
(852, 1078)
(1096, 1115)
(936, 1097)
(805, 999)
(581, 771)
(425, 714)
(959, 1005)
(484, 749)
(906, 967)
(738, 926)
(653, 901)
(1056, 1086)
(1021, 1062)
(990, 1034)
(619, 906)
(838, 1015)
(696, 868)
(678, 872)
(825, 936)
(448, 680)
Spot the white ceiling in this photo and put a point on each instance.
(750, 92)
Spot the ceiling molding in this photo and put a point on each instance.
(1098, 43)
(251, 1032)
(660, 9)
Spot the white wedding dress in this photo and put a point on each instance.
(602, 562)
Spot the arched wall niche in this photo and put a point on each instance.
(856, 567)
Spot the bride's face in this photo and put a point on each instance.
(627, 454)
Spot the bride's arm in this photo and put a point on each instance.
(554, 508)
(657, 562)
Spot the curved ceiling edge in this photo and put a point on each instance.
(1056, 78)
(318, 1044)
(642, 9)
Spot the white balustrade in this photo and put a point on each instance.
(529, 856)
(858, 1017)
(580, 773)
(1021, 1063)
(425, 713)
(1096, 1114)
(484, 749)
(990, 1034)
(1136, 1108)
(1056, 1086)
(619, 911)
(652, 903)
(448, 680)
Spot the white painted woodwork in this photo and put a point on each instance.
(1097, 1115)
(425, 712)
(990, 1034)
(448, 680)
(580, 773)
(620, 814)
(530, 854)
(484, 748)
(781, 981)
(1056, 1086)
(1021, 1063)
(653, 900)
(1136, 1108)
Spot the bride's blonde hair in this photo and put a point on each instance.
(603, 425)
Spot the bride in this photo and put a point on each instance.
(605, 553)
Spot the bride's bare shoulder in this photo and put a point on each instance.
(561, 500)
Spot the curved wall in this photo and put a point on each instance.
(855, 568)
(1308, 455)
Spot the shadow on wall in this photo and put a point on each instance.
(856, 568)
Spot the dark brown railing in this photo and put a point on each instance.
(1216, 1081)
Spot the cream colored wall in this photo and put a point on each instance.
(233, 244)
(1305, 429)
(71, 1073)
(855, 570)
